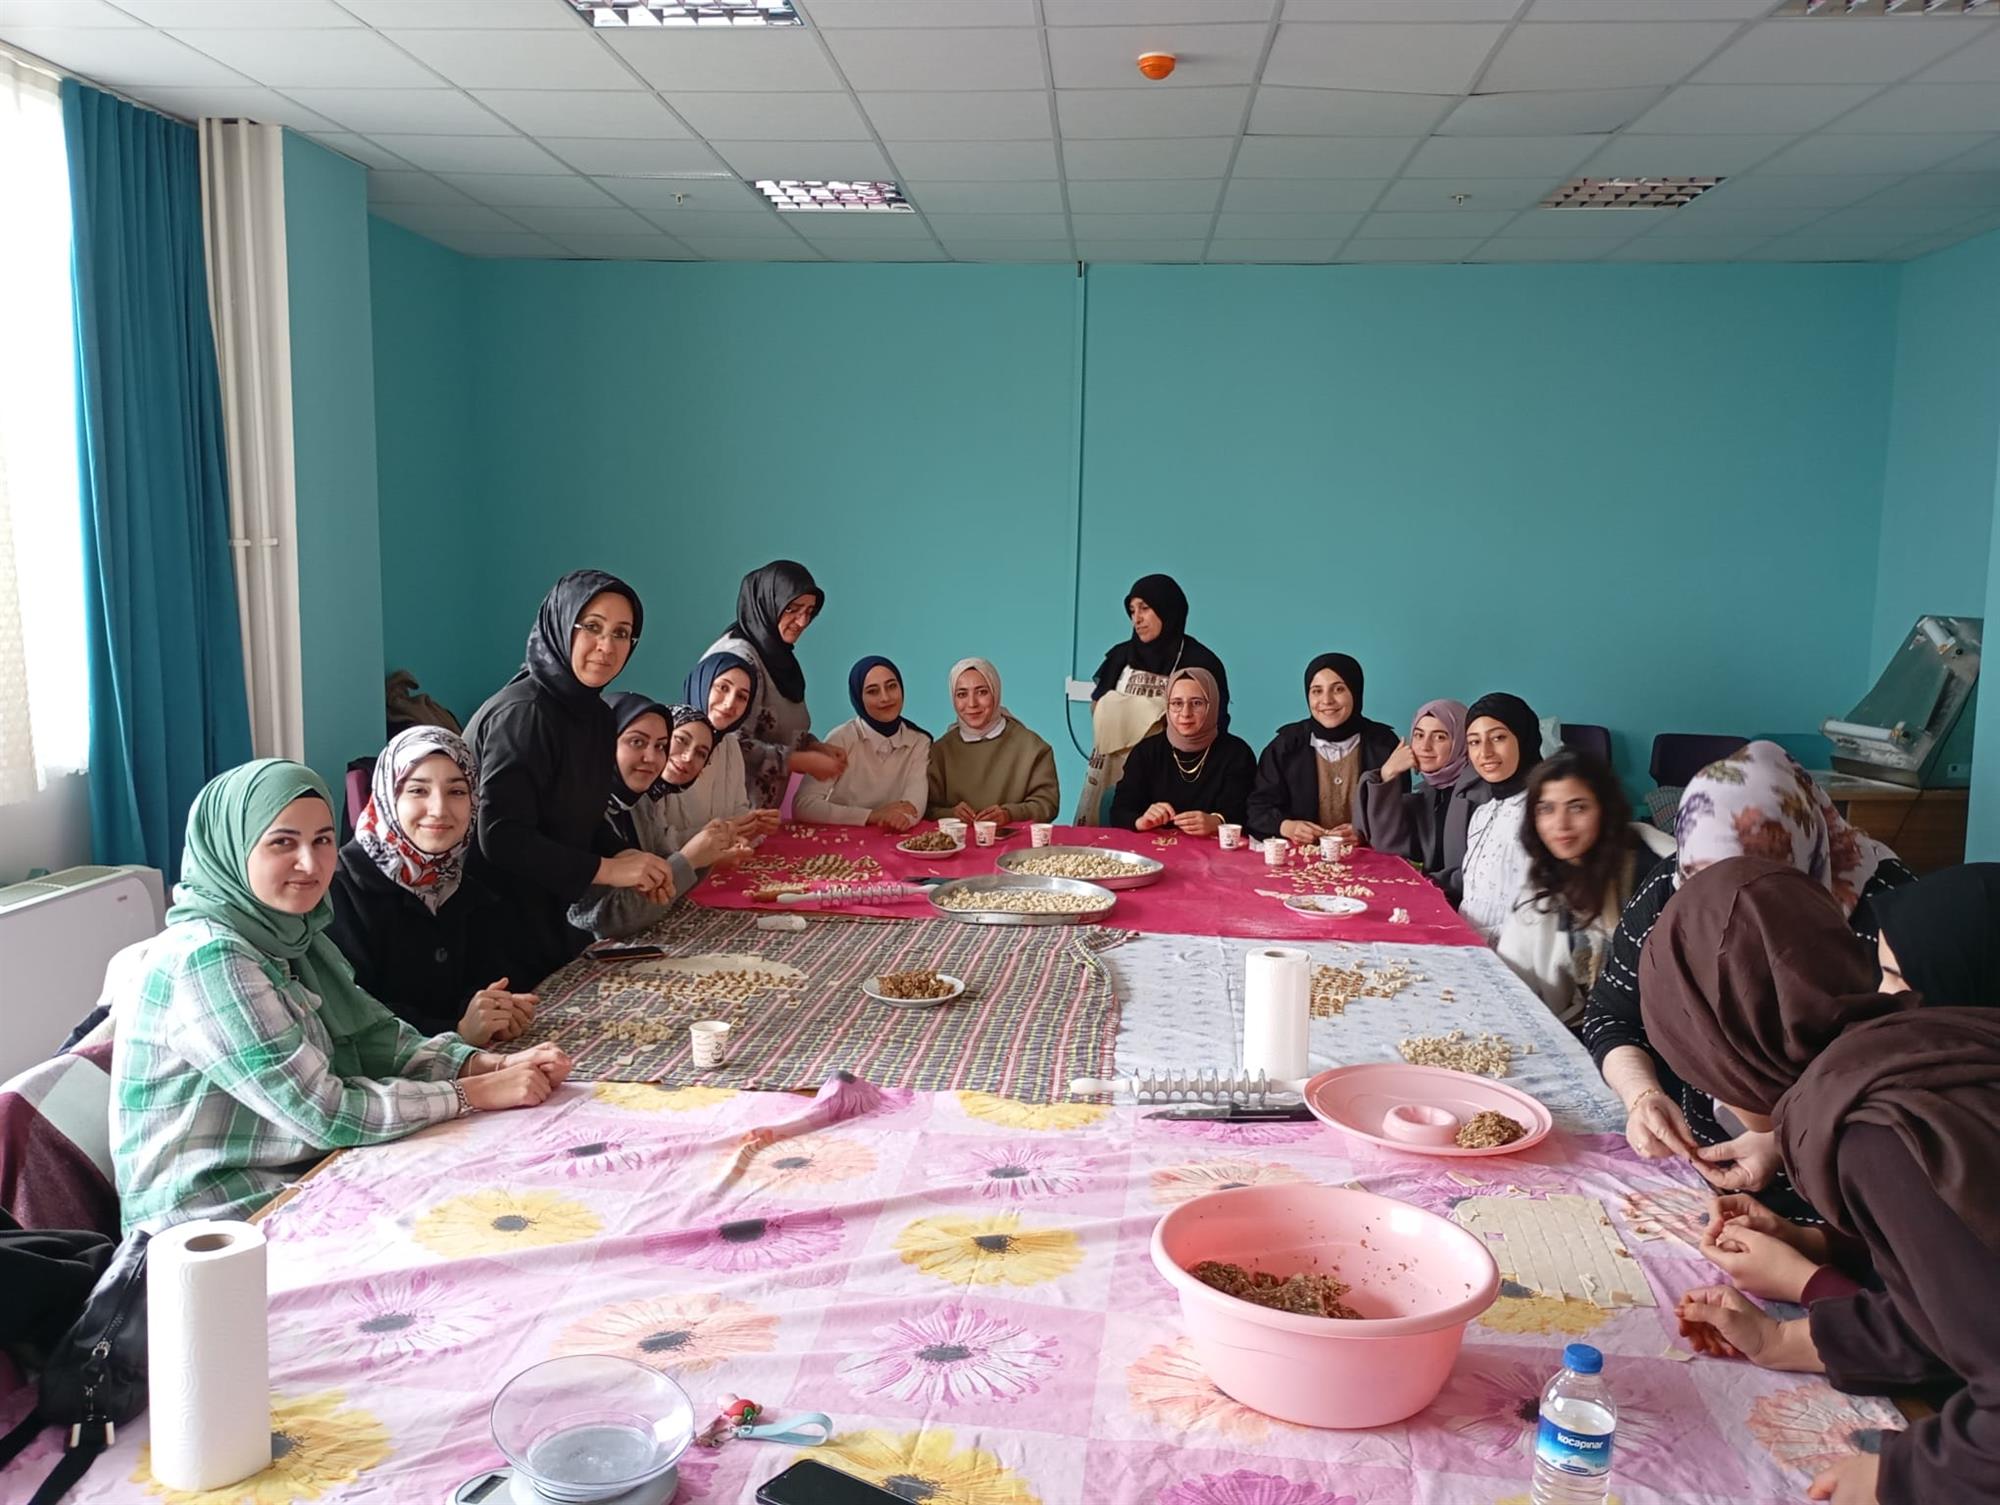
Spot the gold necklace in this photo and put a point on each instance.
(1189, 775)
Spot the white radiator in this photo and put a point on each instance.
(56, 934)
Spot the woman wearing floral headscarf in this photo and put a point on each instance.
(429, 942)
(1757, 802)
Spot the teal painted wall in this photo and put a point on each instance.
(1326, 459)
(431, 543)
(1944, 436)
(1588, 485)
(333, 448)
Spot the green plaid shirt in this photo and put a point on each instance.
(228, 1083)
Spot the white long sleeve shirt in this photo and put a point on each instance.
(880, 770)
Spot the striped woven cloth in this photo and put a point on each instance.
(1039, 1007)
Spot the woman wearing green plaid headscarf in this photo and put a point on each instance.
(249, 1050)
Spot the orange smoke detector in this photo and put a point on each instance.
(1157, 65)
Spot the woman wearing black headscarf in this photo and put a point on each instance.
(1888, 1118)
(1129, 695)
(1485, 865)
(545, 748)
(774, 606)
(661, 750)
(1309, 777)
(1941, 937)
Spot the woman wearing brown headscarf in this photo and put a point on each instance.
(1888, 1118)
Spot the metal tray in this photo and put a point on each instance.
(1145, 870)
(991, 881)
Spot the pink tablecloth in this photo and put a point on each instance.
(1204, 891)
(962, 1283)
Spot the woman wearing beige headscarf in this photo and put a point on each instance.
(987, 765)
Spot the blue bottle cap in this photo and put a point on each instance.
(1583, 1359)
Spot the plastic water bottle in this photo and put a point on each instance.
(1579, 1422)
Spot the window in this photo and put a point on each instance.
(44, 666)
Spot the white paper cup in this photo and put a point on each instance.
(953, 827)
(1041, 833)
(989, 832)
(1274, 851)
(1231, 838)
(1331, 849)
(709, 1040)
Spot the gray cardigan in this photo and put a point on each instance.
(614, 913)
(771, 728)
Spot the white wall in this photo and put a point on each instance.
(51, 831)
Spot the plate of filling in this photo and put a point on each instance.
(1427, 1110)
(1325, 904)
(916, 989)
(935, 845)
(1107, 867)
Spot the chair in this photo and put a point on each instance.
(1585, 737)
(1679, 756)
(55, 1143)
(360, 777)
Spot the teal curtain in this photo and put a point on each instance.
(167, 706)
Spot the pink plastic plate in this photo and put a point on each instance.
(1355, 1099)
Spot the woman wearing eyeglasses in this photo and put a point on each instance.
(774, 606)
(545, 745)
(1189, 775)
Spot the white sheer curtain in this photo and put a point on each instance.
(44, 667)
(243, 228)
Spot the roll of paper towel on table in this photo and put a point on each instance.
(1277, 1001)
(207, 1354)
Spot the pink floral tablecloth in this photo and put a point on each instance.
(962, 1282)
(1204, 891)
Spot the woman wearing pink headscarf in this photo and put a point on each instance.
(1435, 751)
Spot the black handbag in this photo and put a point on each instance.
(95, 1375)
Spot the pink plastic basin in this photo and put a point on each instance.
(1417, 1281)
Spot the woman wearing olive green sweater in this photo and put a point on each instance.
(989, 766)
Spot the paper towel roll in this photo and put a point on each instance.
(208, 1354)
(1277, 1001)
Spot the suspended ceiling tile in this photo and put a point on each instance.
(292, 14)
(1602, 225)
(1843, 155)
(509, 190)
(1591, 55)
(412, 188)
(731, 248)
(1386, 56)
(1140, 251)
(1161, 157)
(1286, 226)
(1750, 109)
(620, 156)
(504, 244)
(1030, 196)
(1265, 251)
(1140, 226)
(888, 250)
(976, 161)
(845, 161)
(1630, 156)
(1648, 10)
(1301, 195)
(1451, 224)
(1857, 51)
(470, 153)
(794, 116)
(262, 105)
(1344, 112)
(1106, 57)
(676, 195)
(945, 57)
(1323, 156)
(359, 149)
(975, 115)
(1436, 195)
(564, 220)
(516, 59)
(447, 15)
(830, 15)
(1142, 195)
(354, 59)
(1154, 12)
(63, 13)
(1927, 107)
(674, 59)
(1692, 222)
(1549, 112)
(1653, 248)
(585, 112)
(1537, 251)
(1941, 190)
(1403, 10)
(426, 219)
(1775, 190)
(1500, 156)
(1009, 251)
(1115, 113)
(1977, 62)
(626, 247)
(996, 227)
(125, 57)
(687, 224)
(415, 112)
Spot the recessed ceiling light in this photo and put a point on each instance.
(787, 194)
(642, 13)
(1628, 193)
(1987, 8)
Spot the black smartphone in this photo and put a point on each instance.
(809, 1483)
(610, 951)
